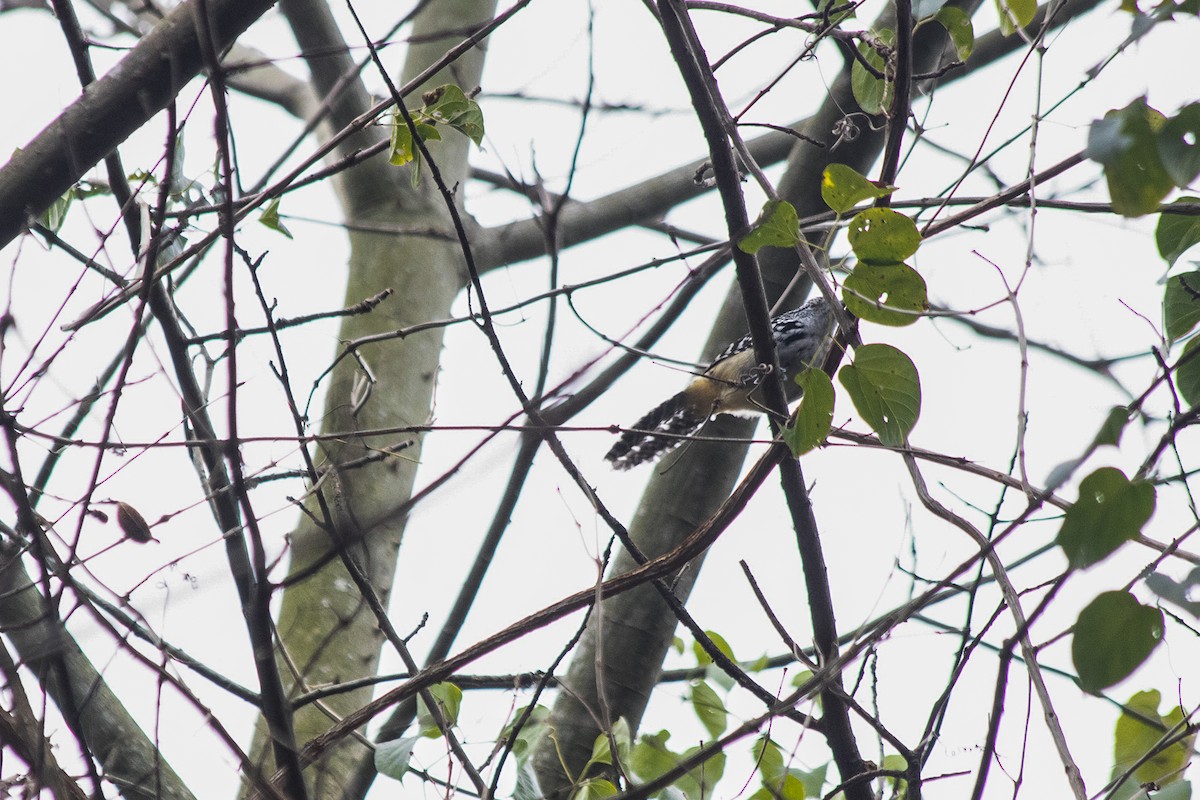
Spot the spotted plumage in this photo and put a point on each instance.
(728, 386)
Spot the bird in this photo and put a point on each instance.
(729, 385)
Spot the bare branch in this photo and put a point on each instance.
(118, 104)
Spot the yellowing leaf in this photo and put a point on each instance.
(842, 188)
(402, 150)
(1136, 735)
(883, 236)
(1015, 14)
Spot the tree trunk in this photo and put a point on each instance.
(637, 627)
(329, 632)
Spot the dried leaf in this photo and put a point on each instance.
(133, 524)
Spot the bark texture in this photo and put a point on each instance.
(636, 628)
(114, 107)
(329, 632)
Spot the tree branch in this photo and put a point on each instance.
(136, 766)
(115, 106)
(651, 199)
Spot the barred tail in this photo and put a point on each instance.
(674, 417)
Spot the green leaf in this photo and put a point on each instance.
(776, 226)
(526, 787)
(601, 750)
(788, 787)
(1110, 511)
(886, 390)
(873, 95)
(702, 657)
(529, 734)
(623, 737)
(698, 783)
(896, 763)
(719, 677)
(270, 218)
(758, 665)
(392, 757)
(1181, 304)
(769, 759)
(842, 188)
(1135, 736)
(778, 781)
(449, 699)
(1108, 140)
(883, 236)
(1132, 790)
(602, 746)
(403, 147)
(1113, 636)
(54, 216)
(1015, 14)
(958, 26)
(1114, 425)
(801, 677)
(594, 789)
(449, 105)
(1126, 144)
(651, 757)
(178, 180)
(887, 294)
(402, 150)
(813, 780)
(1187, 375)
(1179, 145)
(709, 708)
(1177, 233)
(427, 132)
(814, 417)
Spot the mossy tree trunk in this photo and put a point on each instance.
(330, 633)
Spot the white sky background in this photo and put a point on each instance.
(1092, 277)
